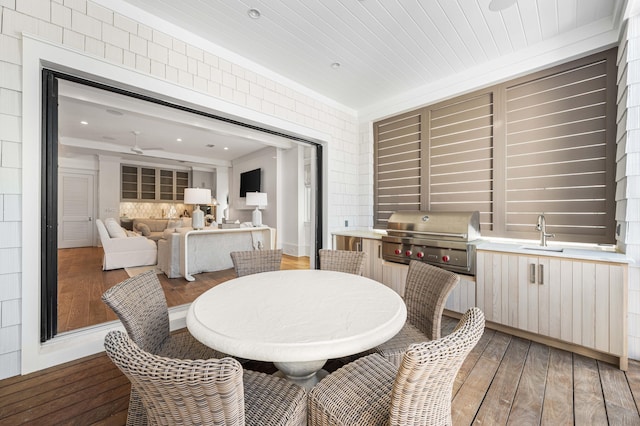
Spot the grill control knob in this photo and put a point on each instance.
(445, 258)
(398, 251)
(407, 253)
(420, 255)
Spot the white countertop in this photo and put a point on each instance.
(372, 234)
(296, 315)
(567, 252)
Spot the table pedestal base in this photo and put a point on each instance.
(306, 374)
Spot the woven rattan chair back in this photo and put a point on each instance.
(181, 392)
(347, 261)
(426, 291)
(140, 304)
(422, 390)
(256, 261)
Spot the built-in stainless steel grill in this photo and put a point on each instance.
(444, 239)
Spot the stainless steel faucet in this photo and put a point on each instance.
(542, 227)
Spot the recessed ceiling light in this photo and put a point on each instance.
(226, 148)
(498, 5)
(114, 112)
(254, 13)
(84, 122)
(179, 140)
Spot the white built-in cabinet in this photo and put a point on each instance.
(373, 260)
(576, 301)
(462, 297)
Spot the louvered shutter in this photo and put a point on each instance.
(460, 171)
(398, 165)
(559, 160)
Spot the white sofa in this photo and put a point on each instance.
(121, 250)
(207, 250)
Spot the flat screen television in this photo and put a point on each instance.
(249, 182)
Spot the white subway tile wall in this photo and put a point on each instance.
(101, 32)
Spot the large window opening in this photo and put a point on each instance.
(84, 160)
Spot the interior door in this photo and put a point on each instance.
(76, 227)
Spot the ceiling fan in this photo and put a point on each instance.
(136, 148)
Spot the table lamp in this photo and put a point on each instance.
(257, 199)
(197, 196)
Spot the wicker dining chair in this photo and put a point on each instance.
(373, 391)
(426, 291)
(205, 392)
(141, 306)
(347, 261)
(256, 261)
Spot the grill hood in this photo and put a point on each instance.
(452, 226)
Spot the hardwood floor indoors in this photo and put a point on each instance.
(81, 282)
(504, 380)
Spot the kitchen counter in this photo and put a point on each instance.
(568, 252)
(371, 234)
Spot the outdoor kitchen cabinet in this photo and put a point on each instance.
(373, 260)
(462, 297)
(580, 302)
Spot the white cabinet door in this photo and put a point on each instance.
(580, 302)
(373, 260)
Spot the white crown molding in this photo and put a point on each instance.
(583, 41)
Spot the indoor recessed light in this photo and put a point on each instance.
(253, 13)
(335, 65)
(498, 5)
(84, 122)
(179, 140)
(226, 148)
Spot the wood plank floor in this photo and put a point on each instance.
(81, 282)
(504, 380)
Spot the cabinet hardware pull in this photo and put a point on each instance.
(540, 274)
(532, 273)
(379, 251)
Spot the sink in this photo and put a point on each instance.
(541, 248)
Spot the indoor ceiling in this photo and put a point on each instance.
(361, 52)
(93, 121)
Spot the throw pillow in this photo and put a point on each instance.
(143, 228)
(114, 229)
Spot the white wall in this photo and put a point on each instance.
(153, 57)
(292, 183)
(628, 169)
(267, 160)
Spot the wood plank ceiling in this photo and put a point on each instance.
(384, 48)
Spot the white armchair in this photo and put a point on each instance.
(121, 251)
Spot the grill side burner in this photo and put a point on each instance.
(442, 239)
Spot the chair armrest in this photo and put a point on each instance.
(127, 244)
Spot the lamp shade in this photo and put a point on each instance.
(197, 196)
(257, 199)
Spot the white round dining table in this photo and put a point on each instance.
(297, 319)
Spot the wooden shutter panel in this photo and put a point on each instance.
(558, 157)
(460, 171)
(397, 164)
